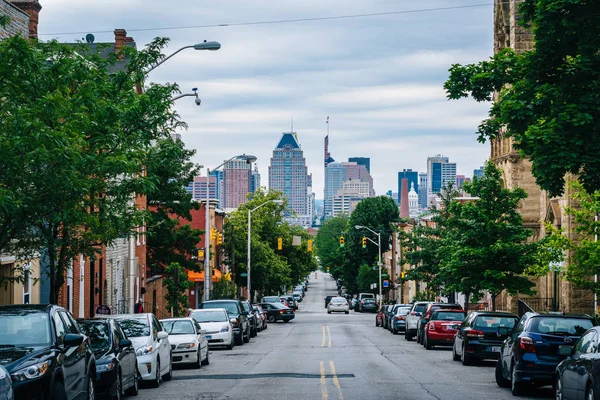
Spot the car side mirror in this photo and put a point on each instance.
(162, 335)
(72, 340)
(503, 331)
(418, 314)
(124, 343)
(565, 350)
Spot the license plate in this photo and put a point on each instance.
(208, 337)
(496, 349)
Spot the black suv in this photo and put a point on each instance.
(45, 353)
(531, 352)
(237, 315)
(251, 318)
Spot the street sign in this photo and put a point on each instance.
(386, 283)
(243, 274)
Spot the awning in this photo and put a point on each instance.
(199, 276)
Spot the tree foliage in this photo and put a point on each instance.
(327, 245)
(547, 97)
(75, 137)
(176, 281)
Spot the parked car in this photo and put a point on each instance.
(251, 318)
(327, 300)
(263, 316)
(278, 312)
(338, 304)
(354, 303)
(428, 313)
(368, 305)
(216, 326)
(271, 299)
(441, 327)
(578, 376)
(116, 362)
(297, 296)
(291, 303)
(45, 353)
(398, 322)
(478, 336)
(413, 317)
(258, 317)
(151, 344)
(359, 299)
(385, 310)
(237, 315)
(6, 390)
(299, 288)
(188, 344)
(391, 312)
(532, 350)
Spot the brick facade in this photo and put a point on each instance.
(19, 20)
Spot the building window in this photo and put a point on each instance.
(26, 284)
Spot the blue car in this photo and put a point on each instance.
(535, 346)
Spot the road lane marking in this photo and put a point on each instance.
(324, 394)
(329, 334)
(323, 339)
(336, 381)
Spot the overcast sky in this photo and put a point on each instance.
(379, 78)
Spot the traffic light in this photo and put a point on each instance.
(220, 238)
(402, 274)
(364, 242)
(279, 243)
(213, 234)
(309, 244)
(341, 241)
(201, 255)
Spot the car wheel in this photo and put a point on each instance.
(501, 381)
(239, 340)
(464, 357)
(589, 394)
(198, 363)
(407, 336)
(455, 357)
(58, 391)
(247, 337)
(346, 312)
(91, 392)
(517, 388)
(418, 338)
(169, 375)
(135, 388)
(272, 319)
(427, 344)
(253, 332)
(206, 360)
(328, 311)
(119, 388)
(156, 381)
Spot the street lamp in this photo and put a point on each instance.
(250, 211)
(358, 227)
(198, 46)
(207, 270)
(193, 94)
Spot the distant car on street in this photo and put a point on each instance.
(277, 312)
(338, 304)
(368, 305)
(216, 326)
(237, 315)
(188, 343)
(441, 327)
(398, 322)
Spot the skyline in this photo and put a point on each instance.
(379, 79)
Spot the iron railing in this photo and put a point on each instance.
(536, 304)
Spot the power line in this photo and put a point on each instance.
(280, 21)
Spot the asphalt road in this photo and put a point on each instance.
(332, 357)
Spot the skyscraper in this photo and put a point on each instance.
(366, 161)
(236, 183)
(460, 179)
(440, 172)
(422, 189)
(413, 178)
(336, 174)
(478, 172)
(288, 174)
(255, 182)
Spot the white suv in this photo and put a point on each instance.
(151, 344)
(413, 317)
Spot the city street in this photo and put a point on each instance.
(337, 356)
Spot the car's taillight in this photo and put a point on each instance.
(527, 345)
(432, 327)
(413, 313)
(399, 317)
(281, 312)
(474, 333)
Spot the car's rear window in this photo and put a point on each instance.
(338, 301)
(369, 300)
(271, 299)
(230, 306)
(402, 310)
(448, 316)
(560, 326)
(492, 323)
(135, 327)
(420, 307)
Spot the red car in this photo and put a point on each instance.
(442, 327)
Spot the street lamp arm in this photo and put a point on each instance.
(185, 95)
(168, 57)
(369, 229)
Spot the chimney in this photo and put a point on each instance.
(32, 8)
(120, 39)
(404, 199)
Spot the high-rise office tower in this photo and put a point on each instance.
(366, 161)
(237, 177)
(422, 192)
(288, 174)
(440, 172)
(413, 178)
(255, 182)
(478, 172)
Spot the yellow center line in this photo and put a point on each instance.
(323, 382)
(329, 334)
(323, 340)
(336, 381)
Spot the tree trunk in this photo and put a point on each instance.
(467, 296)
(494, 302)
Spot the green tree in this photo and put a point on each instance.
(176, 281)
(547, 98)
(170, 238)
(74, 136)
(488, 247)
(223, 288)
(367, 275)
(327, 245)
